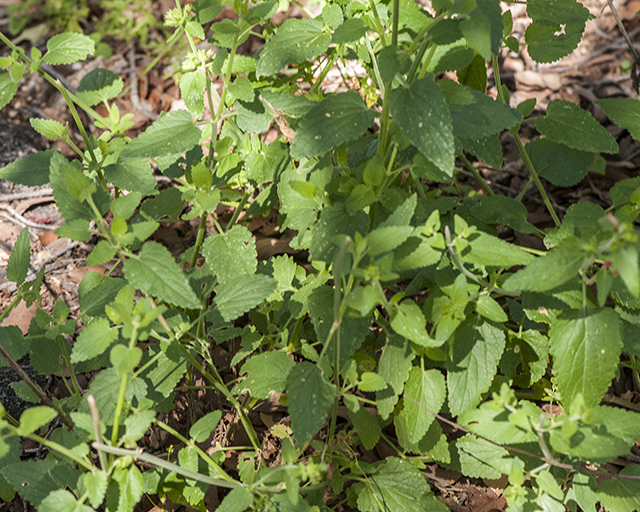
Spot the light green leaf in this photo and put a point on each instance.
(8, 87)
(409, 321)
(236, 297)
(202, 428)
(490, 309)
(429, 390)
(337, 119)
(124, 359)
(586, 346)
(621, 495)
(557, 163)
(394, 366)
(34, 418)
(310, 397)
(351, 30)
(333, 222)
(489, 250)
(99, 85)
(32, 170)
(132, 174)
(267, 373)
(422, 115)
(238, 500)
(94, 340)
(130, 486)
(297, 40)
(192, 86)
(490, 421)
(242, 89)
(556, 28)
(625, 112)
(96, 485)
(137, 424)
(560, 265)
(568, 124)
(385, 239)
(231, 254)
(476, 352)
(482, 459)
(371, 382)
(48, 128)
(173, 133)
(154, 271)
(332, 15)
(62, 500)
(20, 259)
(68, 48)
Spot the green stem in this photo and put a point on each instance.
(418, 185)
(396, 19)
(199, 238)
(427, 61)
(123, 387)
(81, 461)
(225, 84)
(476, 175)
(379, 26)
(72, 373)
(239, 209)
(13, 304)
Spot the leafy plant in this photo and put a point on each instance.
(413, 310)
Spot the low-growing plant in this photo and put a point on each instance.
(413, 312)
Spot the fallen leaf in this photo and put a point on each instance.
(21, 316)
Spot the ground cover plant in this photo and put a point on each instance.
(417, 323)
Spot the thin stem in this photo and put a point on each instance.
(476, 175)
(396, 19)
(225, 84)
(13, 304)
(418, 185)
(239, 209)
(72, 373)
(96, 428)
(81, 461)
(199, 238)
(123, 387)
(379, 25)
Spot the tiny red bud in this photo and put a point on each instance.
(606, 265)
(615, 272)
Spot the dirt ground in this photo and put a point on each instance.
(599, 68)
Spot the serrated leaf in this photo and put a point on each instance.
(96, 485)
(394, 366)
(332, 15)
(96, 291)
(367, 426)
(489, 250)
(173, 133)
(333, 222)
(409, 321)
(242, 89)
(192, 86)
(566, 123)
(267, 373)
(371, 382)
(503, 210)
(422, 115)
(130, 486)
(14, 342)
(154, 271)
(556, 28)
(202, 428)
(238, 500)
(625, 112)
(336, 119)
(48, 128)
(488, 149)
(234, 298)
(490, 309)
(490, 421)
(483, 28)
(132, 174)
(557, 163)
(124, 359)
(586, 346)
(137, 424)
(34, 418)
(20, 259)
(166, 373)
(8, 87)
(621, 495)
(476, 352)
(310, 397)
(94, 340)
(68, 48)
(560, 265)
(32, 170)
(32, 479)
(385, 239)
(231, 254)
(98, 86)
(429, 390)
(482, 117)
(482, 459)
(297, 40)
(351, 30)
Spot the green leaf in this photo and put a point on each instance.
(96, 485)
(409, 321)
(234, 298)
(482, 459)
(13, 342)
(429, 390)
(154, 271)
(490, 309)
(333, 222)
(621, 495)
(125, 359)
(96, 291)
(192, 86)
(385, 239)
(367, 427)
(173, 133)
(556, 28)
(503, 210)
(476, 352)
(267, 373)
(68, 48)
(489, 250)
(625, 112)
(130, 487)
(490, 421)
(560, 265)
(202, 428)
(34, 418)
(32, 479)
(488, 149)
(557, 163)
(238, 500)
(98, 86)
(371, 382)
(242, 89)
(310, 397)
(474, 75)
(94, 340)
(137, 424)
(351, 30)
(297, 40)
(8, 87)
(394, 366)
(48, 128)
(422, 115)
(20, 259)
(336, 119)
(32, 170)
(566, 123)
(287, 103)
(132, 174)
(231, 254)
(586, 346)
(166, 373)
(400, 487)
(332, 15)
(483, 28)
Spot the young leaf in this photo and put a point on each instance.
(422, 115)
(482, 459)
(332, 15)
(154, 271)
(394, 366)
(96, 485)
(137, 424)
(94, 340)
(68, 48)
(310, 397)
(238, 500)
(192, 86)
(429, 390)
(130, 486)
(267, 373)
(295, 41)
(231, 254)
(8, 87)
(337, 119)
(34, 418)
(202, 428)
(234, 298)
(409, 321)
(98, 86)
(586, 346)
(568, 124)
(48, 128)
(20, 259)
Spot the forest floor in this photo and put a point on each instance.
(599, 68)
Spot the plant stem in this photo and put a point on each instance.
(13, 304)
(199, 238)
(396, 20)
(476, 175)
(72, 373)
(123, 387)
(239, 209)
